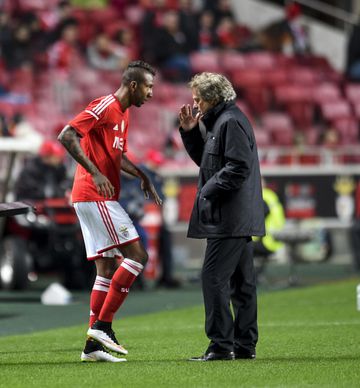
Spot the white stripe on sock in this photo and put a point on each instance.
(130, 269)
(102, 279)
(100, 288)
(134, 263)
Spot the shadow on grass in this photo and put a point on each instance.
(308, 358)
(42, 351)
(182, 360)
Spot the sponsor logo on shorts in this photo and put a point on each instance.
(124, 231)
(125, 290)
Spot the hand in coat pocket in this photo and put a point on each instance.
(209, 210)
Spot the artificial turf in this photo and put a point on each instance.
(308, 337)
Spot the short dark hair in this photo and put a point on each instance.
(135, 72)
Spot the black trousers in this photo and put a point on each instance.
(228, 276)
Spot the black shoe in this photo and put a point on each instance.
(212, 356)
(245, 355)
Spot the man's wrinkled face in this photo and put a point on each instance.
(143, 91)
(201, 105)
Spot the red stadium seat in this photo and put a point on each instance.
(297, 100)
(352, 92)
(262, 136)
(280, 126)
(334, 110)
(348, 129)
(205, 61)
(260, 60)
(250, 84)
(304, 76)
(326, 92)
(232, 61)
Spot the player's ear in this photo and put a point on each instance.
(133, 85)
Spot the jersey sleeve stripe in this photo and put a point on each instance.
(92, 113)
(102, 103)
(105, 106)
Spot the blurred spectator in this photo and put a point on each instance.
(37, 33)
(64, 58)
(287, 35)
(330, 138)
(355, 244)
(152, 21)
(154, 160)
(43, 176)
(126, 41)
(274, 221)
(3, 127)
(173, 47)
(228, 35)
(188, 22)
(103, 54)
(220, 8)
(298, 33)
(353, 55)
(206, 38)
(64, 54)
(5, 30)
(56, 18)
(18, 51)
(20, 127)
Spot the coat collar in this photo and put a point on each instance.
(211, 115)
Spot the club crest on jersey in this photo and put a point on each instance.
(124, 231)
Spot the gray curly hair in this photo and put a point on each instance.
(213, 87)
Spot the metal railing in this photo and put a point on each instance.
(330, 10)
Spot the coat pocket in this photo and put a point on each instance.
(209, 211)
(212, 151)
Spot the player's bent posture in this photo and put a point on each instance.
(97, 139)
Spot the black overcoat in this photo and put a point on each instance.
(229, 197)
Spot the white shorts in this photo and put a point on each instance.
(105, 226)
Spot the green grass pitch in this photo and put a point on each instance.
(308, 337)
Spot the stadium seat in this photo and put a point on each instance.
(348, 129)
(205, 61)
(260, 60)
(280, 126)
(297, 101)
(250, 84)
(304, 76)
(352, 92)
(335, 110)
(326, 92)
(232, 61)
(262, 136)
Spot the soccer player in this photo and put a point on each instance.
(97, 139)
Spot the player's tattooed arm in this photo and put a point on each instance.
(69, 138)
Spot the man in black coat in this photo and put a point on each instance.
(228, 210)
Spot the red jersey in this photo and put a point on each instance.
(103, 128)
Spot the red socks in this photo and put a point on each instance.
(98, 295)
(122, 280)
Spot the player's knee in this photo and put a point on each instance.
(142, 257)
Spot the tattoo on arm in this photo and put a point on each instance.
(70, 140)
